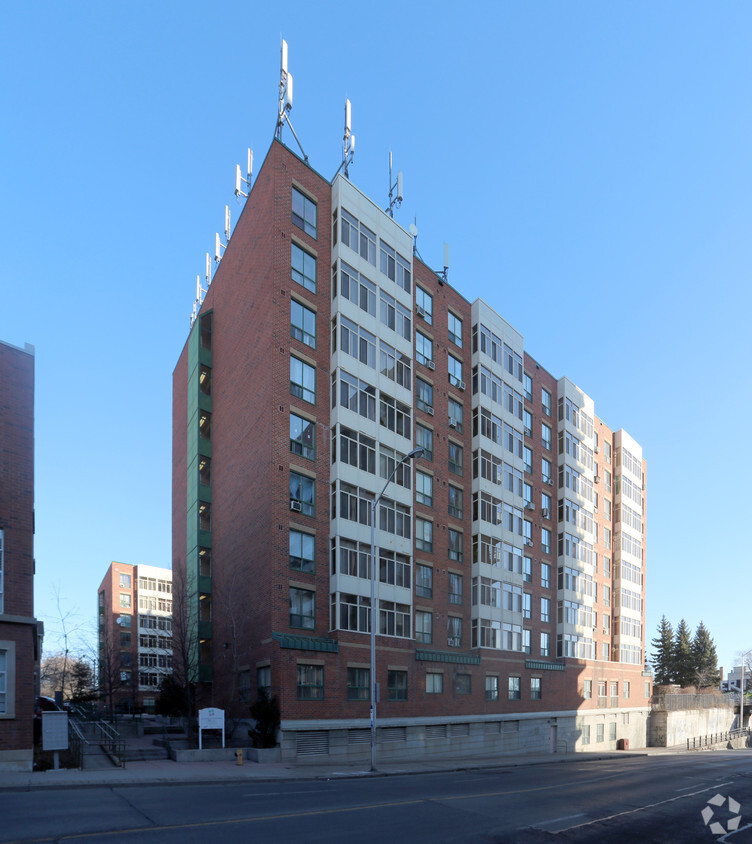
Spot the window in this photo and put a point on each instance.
(455, 329)
(125, 581)
(607, 452)
(423, 535)
(514, 688)
(455, 415)
(492, 687)
(586, 733)
(455, 372)
(302, 608)
(587, 689)
(546, 435)
(302, 436)
(625, 688)
(395, 315)
(546, 401)
(423, 581)
(606, 537)
(455, 458)
(455, 502)
(527, 605)
(545, 575)
(454, 631)
(545, 609)
(302, 380)
(527, 387)
(394, 415)
(355, 341)
(535, 688)
(424, 439)
(424, 304)
(455, 544)
(356, 395)
(424, 395)
(394, 619)
(424, 350)
(434, 683)
(423, 627)
(125, 640)
(358, 684)
(302, 267)
(396, 685)
(455, 588)
(359, 238)
(302, 323)
(527, 570)
(424, 489)
(464, 684)
(125, 600)
(310, 682)
(527, 459)
(612, 731)
(302, 494)
(545, 644)
(546, 470)
(546, 540)
(599, 728)
(302, 551)
(387, 260)
(304, 212)
(357, 288)
(124, 620)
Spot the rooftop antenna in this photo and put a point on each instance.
(414, 232)
(348, 143)
(200, 293)
(284, 106)
(218, 247)
(228, 224)
(394, 187)
(239, 180)
(442, 274)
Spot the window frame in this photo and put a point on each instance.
(310, 673)
(301, 620)
(300, 267)
(302, 217)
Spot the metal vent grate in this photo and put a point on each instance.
(358, 736)
(459, 730)
(314, 743)
(394, 734)
(436, 731)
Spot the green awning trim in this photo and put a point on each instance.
(447, 656)
(306, 643)
(537, 665)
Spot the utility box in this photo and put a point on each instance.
(622, 744)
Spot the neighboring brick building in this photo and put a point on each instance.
(19, 643)
(511, 555)
(135, 635)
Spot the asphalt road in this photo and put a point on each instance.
(644, 799)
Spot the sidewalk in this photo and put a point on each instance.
(167, 771)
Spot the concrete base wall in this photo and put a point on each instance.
(669, 728)
(350, 743)
(631, 726)
(17, 760)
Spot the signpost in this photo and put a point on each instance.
(210, 719)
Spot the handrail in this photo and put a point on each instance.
(716, 738)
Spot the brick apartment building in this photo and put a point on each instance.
(511, 586)
(19, 644)
(134, 605)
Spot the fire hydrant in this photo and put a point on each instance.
(239, 756)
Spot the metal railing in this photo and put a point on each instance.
(111, 742)
(76, 743)
(674, 702)
(715, 738)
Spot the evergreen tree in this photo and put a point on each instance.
(705, 659)
(663, 653)
(684, 664)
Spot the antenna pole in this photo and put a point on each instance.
(394, 186)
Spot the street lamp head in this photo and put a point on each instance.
(416, 452)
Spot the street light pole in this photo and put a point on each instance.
(416, 452)
(741, 695)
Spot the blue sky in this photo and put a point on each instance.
(589, 164)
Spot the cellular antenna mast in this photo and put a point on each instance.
(394, 188)
(284, 106)
(442, 274)
(240, 181)
(348, 143)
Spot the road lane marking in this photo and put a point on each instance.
(558, 820)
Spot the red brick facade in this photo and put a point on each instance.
(18, 628)
(250, 300)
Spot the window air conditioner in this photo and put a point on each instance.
(545, 513)
(431, 364)
(462, 385)
(452, 423)
(296, 506)
(420, 312)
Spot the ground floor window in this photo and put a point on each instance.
(310, 682)
(358, 684)
(397, 685)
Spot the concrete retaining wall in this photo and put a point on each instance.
(669, 728)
